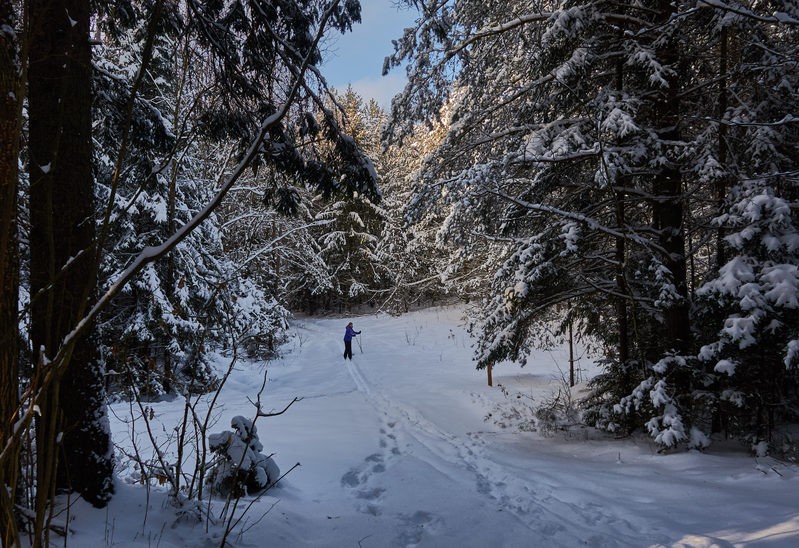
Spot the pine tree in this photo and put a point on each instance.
(585, 156)
(11, 94)
(63, 258)
(143, 332)
(271, 233)
(748, 303)
(136, 179)
(196, 103)
(424, 266)
(351, 223)
(348, 243)
(157, 333)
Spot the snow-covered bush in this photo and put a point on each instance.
(557, 412)
(239, 467)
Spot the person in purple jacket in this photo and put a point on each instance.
(348, 335)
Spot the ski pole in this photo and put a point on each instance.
(359, 343)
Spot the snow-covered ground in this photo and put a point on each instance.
(406, 445)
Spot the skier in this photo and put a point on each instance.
(348, 335)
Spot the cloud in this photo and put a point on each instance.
(380, 89)
(356, 57)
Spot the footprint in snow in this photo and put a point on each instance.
(376, 461)
(370, 494)
(359, 480)
(350, 479)
(412, 528)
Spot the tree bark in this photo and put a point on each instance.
(63, 257)
(718, 419)
(667, 204)
(721, 183)
(10, 127)
(622, 318)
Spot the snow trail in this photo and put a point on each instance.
(451, 454)
(406, 446)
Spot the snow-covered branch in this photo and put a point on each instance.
(494, 30)
(153, 253)
(592, 223)
(778, 17)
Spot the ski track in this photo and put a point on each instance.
(535, 506)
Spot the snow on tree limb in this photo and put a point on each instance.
(153, 253)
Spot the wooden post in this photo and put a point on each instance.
(490, 381)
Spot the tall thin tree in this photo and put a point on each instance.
(63, 263)
(10, 125)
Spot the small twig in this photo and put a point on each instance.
(244, 530)
(257, 498)
(275, 414)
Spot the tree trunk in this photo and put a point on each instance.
(63, 259)
(717, 421)
(10, 126)
(667, 203)
(622, 319)
(721, 183)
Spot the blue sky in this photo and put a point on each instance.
(356, 58)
